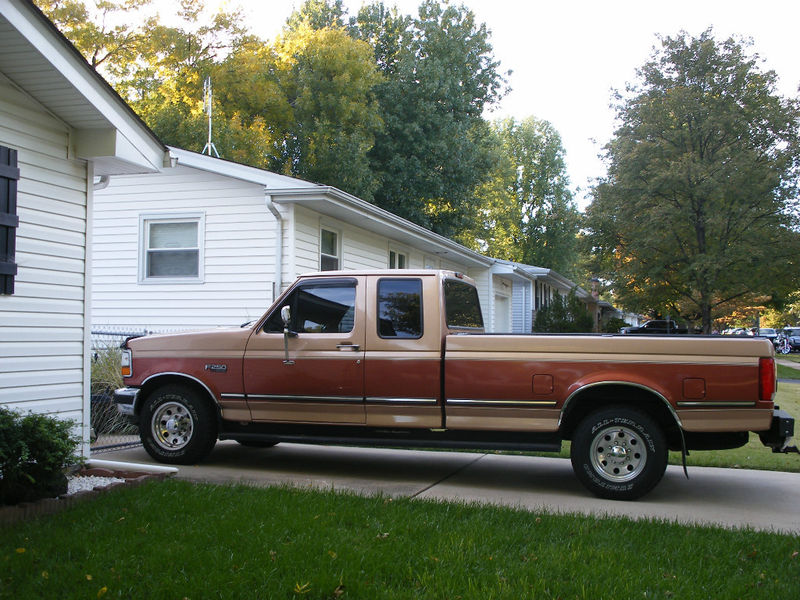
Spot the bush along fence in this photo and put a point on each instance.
(110, 431)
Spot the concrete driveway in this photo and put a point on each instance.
(728, 497)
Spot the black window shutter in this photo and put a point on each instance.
(9, 174)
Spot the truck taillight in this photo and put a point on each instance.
(125, 363)
(767, 379)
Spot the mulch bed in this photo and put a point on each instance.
(48, 506)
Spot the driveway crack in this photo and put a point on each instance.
(446, 477)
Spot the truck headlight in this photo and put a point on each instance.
(125, 363)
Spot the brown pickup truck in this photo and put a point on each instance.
(399, 358)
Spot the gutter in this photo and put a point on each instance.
(276, 290)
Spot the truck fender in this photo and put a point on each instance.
(582, 388)
(153, 380)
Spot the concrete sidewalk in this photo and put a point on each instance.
(763, 500)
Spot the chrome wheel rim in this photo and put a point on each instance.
(172, 426)
(618, 454)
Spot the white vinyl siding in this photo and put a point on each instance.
(238, 258)
(42, 333)
(521, 307)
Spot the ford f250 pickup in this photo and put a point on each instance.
(400, 358)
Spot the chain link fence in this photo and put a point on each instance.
(110, 430)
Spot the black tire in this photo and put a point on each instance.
(633, 464)
(177, 426)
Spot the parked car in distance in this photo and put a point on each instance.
(655, 327)
(793, 334)
(767, 332)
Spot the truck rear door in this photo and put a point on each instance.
(403, 359)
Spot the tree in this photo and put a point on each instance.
(318, 14)
(435, 146)
(527, 213)
(564, 315)
(312, 90)
(699, 207)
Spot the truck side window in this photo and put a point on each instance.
(461, 304)
(400, 308)
(318, 307)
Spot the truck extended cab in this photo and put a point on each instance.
(399, 358)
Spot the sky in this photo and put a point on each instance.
(567, 56)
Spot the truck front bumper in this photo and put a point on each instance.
(779, 435)
(125, 399)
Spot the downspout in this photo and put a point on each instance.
(102, 183)
(276, 287)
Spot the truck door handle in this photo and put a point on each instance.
(353, 347)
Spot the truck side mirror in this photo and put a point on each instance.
(286, 316)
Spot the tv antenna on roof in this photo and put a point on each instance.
(207, 106)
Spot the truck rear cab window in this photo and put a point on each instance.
(462, 307)
(400, 308)
(318, 307)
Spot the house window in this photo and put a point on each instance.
(9, 221)
(328, 250)
(172, 248)
(398, 260)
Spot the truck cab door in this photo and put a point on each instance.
(404, 356)
(315, 374)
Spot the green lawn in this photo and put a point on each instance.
(177, 540)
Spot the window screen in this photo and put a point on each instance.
(172, 249)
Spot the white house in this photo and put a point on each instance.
(211, 242)
(61, 126)
(533, 288)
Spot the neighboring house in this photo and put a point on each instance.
(533, 288)
(61, 126)
(211, 242)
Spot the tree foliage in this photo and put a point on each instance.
(527, 213)
(435, 147)
(564, 315)
(699, 207)
(386, 106)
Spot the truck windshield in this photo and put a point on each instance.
(462, 308)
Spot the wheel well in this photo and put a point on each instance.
(156, 382)
(595, 397)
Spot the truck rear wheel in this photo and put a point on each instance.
(619, 453)
(176, 426)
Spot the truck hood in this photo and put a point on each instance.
(213, 340)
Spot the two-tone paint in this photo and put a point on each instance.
(446, 380)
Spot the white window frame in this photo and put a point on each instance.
(338, 255)
(145, 220)
(398, 252)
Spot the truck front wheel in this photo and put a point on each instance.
(619, 453)
(177, 426)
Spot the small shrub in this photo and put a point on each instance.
(34, 451)
(614, 324)
(106, 373)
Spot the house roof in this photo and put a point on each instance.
(533, 273)
(335, 203)
(38, 60)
